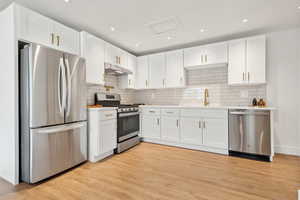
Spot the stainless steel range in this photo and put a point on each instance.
(128, 120)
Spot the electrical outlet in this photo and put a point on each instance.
(244, 94)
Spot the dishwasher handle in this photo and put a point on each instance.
(249, 113)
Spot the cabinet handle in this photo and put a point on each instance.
(157, 121)
(243, 76)
(129, 81)
(180, 79)
(58, 38)
(206, 58)
(199, 124)
(146, 83)
(201, 58)
(151, 111)
(169, 112)
(52, 38)
(120, 60)
(109, 115)
(248, 76)
(204, 124)
(177, 123)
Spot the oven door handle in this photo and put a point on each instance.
(128, 114)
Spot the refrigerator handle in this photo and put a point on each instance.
(61, 100)
(60, 128)
(69, 83)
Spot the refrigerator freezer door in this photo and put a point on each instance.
(56, 149)
(76, 106)
(45, 85)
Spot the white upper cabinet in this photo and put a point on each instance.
(256, 60)
(92, 49)
(247, 61)
(237, 61)
(33, 27)
(157, 64)
(175, 73)
(115, 55)
(142, 73)
(216, 54)
(128, 81)
(193, 56)
(67, 39)
(208, 55)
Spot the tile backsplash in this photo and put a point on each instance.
(214, 79)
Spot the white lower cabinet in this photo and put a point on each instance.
(200, 129)
(191, 131)
(102, 132)
(170, 128)
(151, 126)
(215, 133)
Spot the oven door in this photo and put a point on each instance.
(128, 125)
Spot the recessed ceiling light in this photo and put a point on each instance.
(67, 1)
(202, 30)
(245, 20)
(112, 28)
(137, 44)
(298, 7)
(169, 37)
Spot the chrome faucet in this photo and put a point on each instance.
(206, 102)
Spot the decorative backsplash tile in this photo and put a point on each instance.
(214, 79)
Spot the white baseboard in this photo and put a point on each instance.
(100, 157)
(295, 151)
(187, 146)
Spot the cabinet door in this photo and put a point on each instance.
(237, 62)
(108, 135)
(256, 60)
(93, 52)
(142, 81)
(67, 39)
(111, 54)
(123, 58)
(191, 131)
(170, 128)
(157, 64)
(215, 133)
(216, 54)
(151, 127)
(34, 27)
(175, 76)
(131, 65)
(193, 56)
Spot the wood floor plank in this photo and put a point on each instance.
(151, 171)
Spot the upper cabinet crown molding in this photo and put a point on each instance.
(34, 27)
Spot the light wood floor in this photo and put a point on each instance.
(151, 171)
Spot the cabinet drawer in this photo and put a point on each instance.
(191, 112)
(207, 113)
(218, 114)
(151, 111)
(108, 114)
(170, 112)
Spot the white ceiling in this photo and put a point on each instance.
(222, 19)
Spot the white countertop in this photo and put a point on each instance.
(102, 108)
(208, 107)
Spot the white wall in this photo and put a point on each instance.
(8, 99)
(283, 89)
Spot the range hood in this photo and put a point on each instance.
(116, 69)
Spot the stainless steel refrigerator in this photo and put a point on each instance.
(53, 112)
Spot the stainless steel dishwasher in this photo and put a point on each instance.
(250, 134)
